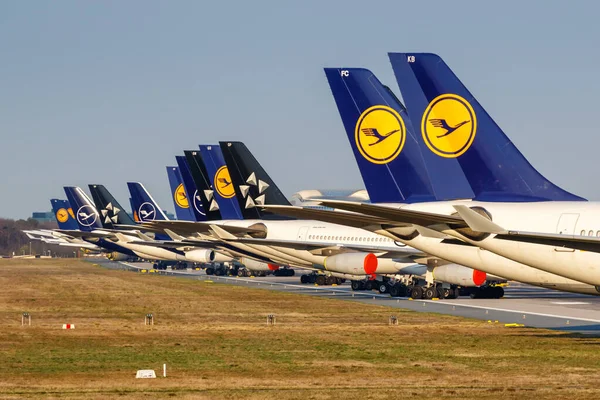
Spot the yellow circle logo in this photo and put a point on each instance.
(380, 134)
(62, 215)
(180, 197)
(71, 213)
(449, 125)
(222, 183)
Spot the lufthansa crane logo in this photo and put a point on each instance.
(62, 215)
(449, 125)
(380, 134)
(87, 215)
(222, 183)
(147, 212)
(180, 197)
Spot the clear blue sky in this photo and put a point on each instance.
(109, 92)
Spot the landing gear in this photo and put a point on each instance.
(382, 287)
(357, 285)
(416, 292)
(487, 292)
(321, 280)
(430, 292)
(398, 290)
(284, 272)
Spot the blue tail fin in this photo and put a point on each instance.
(456, 129)
(253, 186)
(111, 212)
(86, 215)
(221, 184)
(65, 217)
(202, 182)
(383, 141)
(194, 198)
(143, 205)
(180, 197)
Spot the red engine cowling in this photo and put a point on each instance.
(352, 263)
(459, 275)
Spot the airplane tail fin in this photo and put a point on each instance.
(111, 212)
(194, 199)
(457, 130)
(143, 205)
(383, 140)
(202, 182)
(223, 189)
(86, 215)
(253, 186)
(65, 217)
(180, 197)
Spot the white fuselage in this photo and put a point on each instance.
(325, 235)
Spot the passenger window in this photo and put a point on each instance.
(591, 233)
(597, 233)
(583, 232)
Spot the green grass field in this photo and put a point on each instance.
(216, 344)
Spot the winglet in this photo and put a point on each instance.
(174, 236)
(478, 222)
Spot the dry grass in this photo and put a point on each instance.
(216, 344)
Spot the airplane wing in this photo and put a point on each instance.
(479, 223)
(352, 219)
(397, 215)
(187, 228)
(82, 234)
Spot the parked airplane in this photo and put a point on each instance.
(397, 178)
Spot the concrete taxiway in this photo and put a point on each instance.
(522, 304)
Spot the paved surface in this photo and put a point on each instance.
(522, 304)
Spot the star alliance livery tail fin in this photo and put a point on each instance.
(194, 199)
(221, 184)
(202, 182)
(143, 205)
(86, 215)
(110, 210)
(65, 217)
(253, 186)
(180, 197)
(383, 141)
(455, 128)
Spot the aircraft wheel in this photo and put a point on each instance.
(430, 293)
(320, 280)
(416, 292)
(441, 292)
(499, 292)
(356, 285)
(383, 288)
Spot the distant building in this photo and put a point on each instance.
(43, 216)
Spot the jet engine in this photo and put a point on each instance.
(455, 274)
(352, 263)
